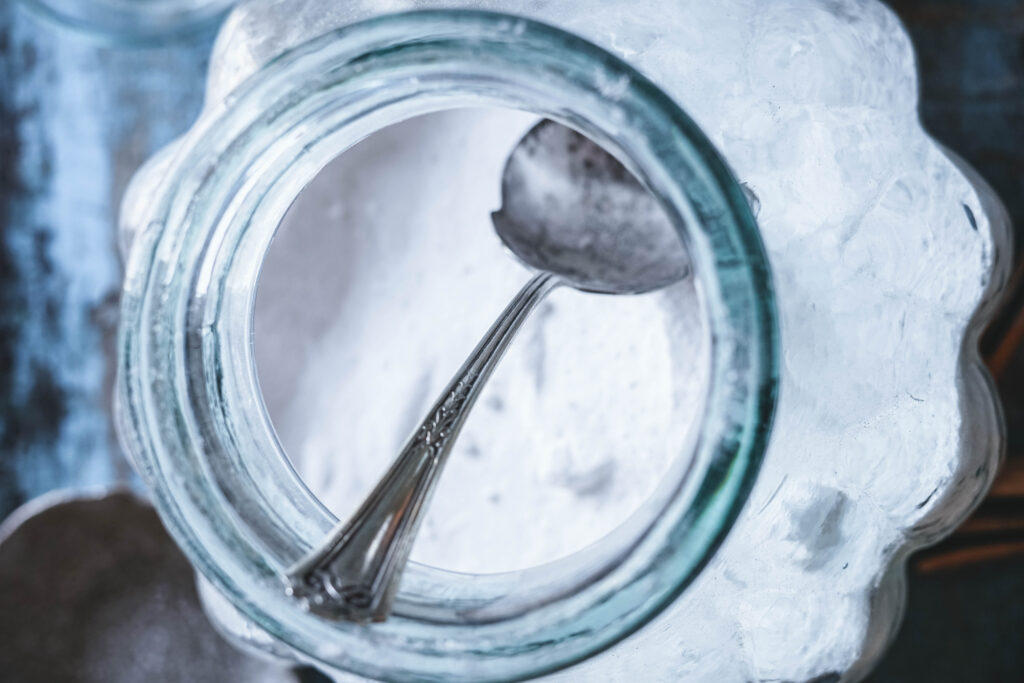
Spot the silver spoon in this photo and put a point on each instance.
(571, 212)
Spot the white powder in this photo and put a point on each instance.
(386, 273)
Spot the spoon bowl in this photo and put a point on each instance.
(572, 209)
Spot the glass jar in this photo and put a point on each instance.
(293, 85)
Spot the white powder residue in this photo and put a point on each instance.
(386, 273)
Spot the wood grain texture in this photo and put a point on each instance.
(76, 118)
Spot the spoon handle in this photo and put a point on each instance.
(354, 574)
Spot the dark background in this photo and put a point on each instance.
(76, 118)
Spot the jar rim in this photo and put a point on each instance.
(185, 362)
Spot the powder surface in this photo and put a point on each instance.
(384, 276)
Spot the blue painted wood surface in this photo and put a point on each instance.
(76, 118)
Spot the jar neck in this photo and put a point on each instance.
(189, 297)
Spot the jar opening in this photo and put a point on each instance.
(385, 272)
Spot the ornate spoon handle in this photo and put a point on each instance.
(354, 573)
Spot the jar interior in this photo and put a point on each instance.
(382, 277)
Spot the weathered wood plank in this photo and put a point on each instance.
(76, 118)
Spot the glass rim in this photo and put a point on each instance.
(185, 362)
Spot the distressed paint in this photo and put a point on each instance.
(76, 118)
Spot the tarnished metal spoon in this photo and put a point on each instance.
(574, 214)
